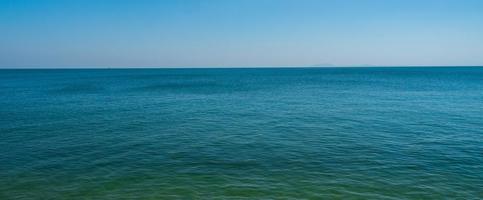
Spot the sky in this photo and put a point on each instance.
(240, 33)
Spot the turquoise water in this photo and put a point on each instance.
(378, 133)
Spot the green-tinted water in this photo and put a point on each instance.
(379, 133)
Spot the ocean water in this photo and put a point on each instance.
(295, 133)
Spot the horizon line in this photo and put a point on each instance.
(238, 67)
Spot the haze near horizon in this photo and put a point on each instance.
(216, 33)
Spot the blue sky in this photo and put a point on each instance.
(225, 33)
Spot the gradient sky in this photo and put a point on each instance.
(224, 33)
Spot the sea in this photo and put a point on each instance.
(242, 133)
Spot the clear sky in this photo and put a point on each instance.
(224, 33)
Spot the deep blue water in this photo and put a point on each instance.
(298, 133)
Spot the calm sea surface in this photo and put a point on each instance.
(378, 133)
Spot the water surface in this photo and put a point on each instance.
(299, 133)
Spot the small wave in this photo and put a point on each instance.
(78, 89)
